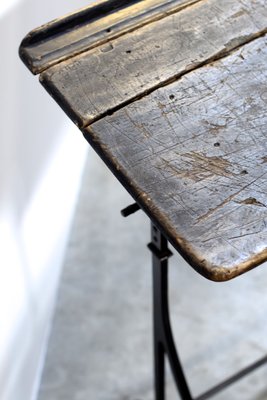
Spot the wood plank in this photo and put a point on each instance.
(105, 78)
(194, 156)
(89, 27)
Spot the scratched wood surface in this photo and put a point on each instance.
(176, 107)
(194, 154)
(97, 81)
(89, 27)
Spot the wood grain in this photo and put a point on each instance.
(194, 156)
(105, 78)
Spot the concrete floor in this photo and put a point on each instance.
(101, 343)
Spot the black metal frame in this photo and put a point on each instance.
(163, 339)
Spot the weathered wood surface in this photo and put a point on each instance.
(194, 155)
(176, 107)
(89, 27)
(107, 77)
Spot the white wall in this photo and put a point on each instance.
(41, 160)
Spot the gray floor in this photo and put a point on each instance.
(100, 346)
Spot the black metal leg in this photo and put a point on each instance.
(159, 371)
(158, 289)
(163, 339)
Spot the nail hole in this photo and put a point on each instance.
(128, 51)
(171, 97)
(108, 30)
(244, 172)
(217, 144)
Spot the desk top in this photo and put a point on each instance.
(172, 95)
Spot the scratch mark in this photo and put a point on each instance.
(213, 210)
(226, 201)
(213, 165)
(200, 167)
(213, 127)
(138, 126)
(251, 201)
(245, 234)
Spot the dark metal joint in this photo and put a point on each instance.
(161, 255)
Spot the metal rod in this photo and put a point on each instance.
(131, 209)
(223, 385)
